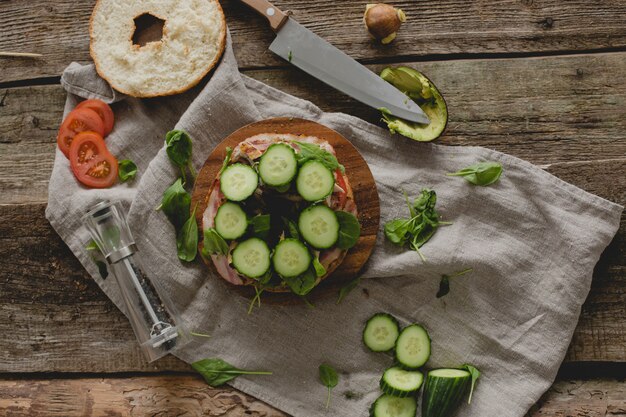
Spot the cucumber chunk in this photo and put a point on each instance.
(231, 221)
(444, 391)
(401, 383)
(315, 181)
(278, 165)
(252, 257)
(413, 347)
(238, 182)
(319, 226)
(291, 258)
(390, 406)
(381, 332)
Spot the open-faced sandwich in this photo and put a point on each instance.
(281, 214)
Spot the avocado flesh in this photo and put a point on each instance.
(421, 90)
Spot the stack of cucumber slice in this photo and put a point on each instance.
(288, 254)
(444, 389)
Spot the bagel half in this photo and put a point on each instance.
(194, 36)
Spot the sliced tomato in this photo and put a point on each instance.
(103, 110)
(79, 120)
(342, 183)
(91, 162)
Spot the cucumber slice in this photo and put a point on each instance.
(315, 182)
(390, 406)
(319, 226)
(231, 221)
(381, 332)
(238, 182)
(444, 391)
(278, 165)
(291, 258)
(413, 347)
(252, 257)
(401, 383)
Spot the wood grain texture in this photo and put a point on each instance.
(188, 395)
(360, 179)
(59, 30)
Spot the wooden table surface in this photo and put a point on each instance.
(544, 80)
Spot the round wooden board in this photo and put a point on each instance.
(359, 175)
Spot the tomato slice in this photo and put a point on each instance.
(79, 120)
(103, 110)
(340, 182)
(91, 162)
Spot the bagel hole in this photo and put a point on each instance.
(148, 28)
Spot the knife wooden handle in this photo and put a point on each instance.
(273, 14)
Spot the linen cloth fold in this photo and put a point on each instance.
(531, 239)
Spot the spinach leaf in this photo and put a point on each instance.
(229, 153)
(102, 268)
(127, 170)
(213, 243)
(482, 173)
(303, 283)
(317, 265)
(420, 227)
(261, 225)
(349, 230)
(187, 239)
(179, 149)
(101, 265)
(444, 284)
(347, 288)
(176, 203)
(475, 375)
(291, 228)
(329, 378)
(92, 245)
(312, 151)
(217, 372)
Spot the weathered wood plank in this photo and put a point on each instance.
(188, 395)
(53, 307)
(59, 30)
(544, 110)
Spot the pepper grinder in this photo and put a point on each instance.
(155, 322)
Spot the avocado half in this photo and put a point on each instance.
(421, 90)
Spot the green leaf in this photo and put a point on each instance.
(303, 283)
(482, 173)
(319, 268)
(329, 378)
(349, 230)
(102, 269)
(292, 228)
(213, 243)
(444, 286)
(312, 151)
(396, 230)
(217, 372)
(229, 153)
(176, 203)
(347, 288)
(475, 375)
(261, 225)
(178, 147)
(127, 170)
(92, 245)
(187, 239)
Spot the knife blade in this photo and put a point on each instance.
(319, 58)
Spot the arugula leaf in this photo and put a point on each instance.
(312, 151)
(213, 243)
(422, 225)
(475, 375)
(229, 153)
(217, 372)
(317, 265)
(261, 225)
(347, 288)
(349, 230)
(179, 149)
(176, 203)
(303, 283)
(444, 284)
(187, 239)
(329, 378)
(127, 170)
(482, 173)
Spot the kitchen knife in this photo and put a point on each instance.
(314, 55)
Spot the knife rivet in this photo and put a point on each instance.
(270, 11)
